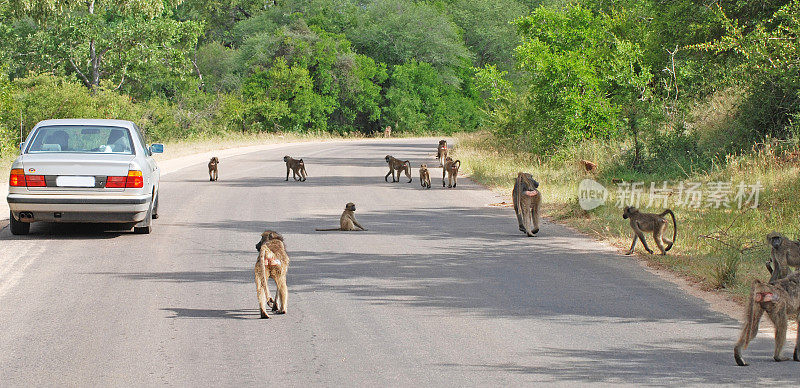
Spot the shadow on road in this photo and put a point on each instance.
(213, 314)
(660, 364)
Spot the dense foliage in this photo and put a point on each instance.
(685, 80)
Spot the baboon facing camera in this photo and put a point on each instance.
(527, 200)
(213, 175)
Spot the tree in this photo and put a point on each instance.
(584, 78)
(102, 39)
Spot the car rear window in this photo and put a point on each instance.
(82, 139)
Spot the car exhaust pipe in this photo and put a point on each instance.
(26, 216)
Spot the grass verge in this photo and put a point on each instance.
(720, 249)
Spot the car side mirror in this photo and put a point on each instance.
(157, 148)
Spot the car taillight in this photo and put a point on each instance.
(17, 178)
(135, 180)
(35, 181)
(117, 182)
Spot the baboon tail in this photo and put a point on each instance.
(261, 288)
(674, 228)
(327, 230)
(457, 162)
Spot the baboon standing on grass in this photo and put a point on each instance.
(650, 222)
(784, 250)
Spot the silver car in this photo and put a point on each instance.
(84, 170)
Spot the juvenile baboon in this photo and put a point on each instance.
(388, 131)
(785, 251)
(397, 165)
(589, 166)
(347, 222)
(297, 166)
(780, 298)
(527, 199)
(424, 176)
(650, 222)
(441, 152)
(273, 262)
(450, 170)
(212, 169)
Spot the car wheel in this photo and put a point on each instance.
(18, 227)
(148, 221)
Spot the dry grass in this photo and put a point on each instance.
(719, 249)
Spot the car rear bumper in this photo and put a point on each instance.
(73, 208)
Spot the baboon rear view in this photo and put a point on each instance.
(273, 262)
(780, 299)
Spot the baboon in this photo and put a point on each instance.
(397, 165)
(527, 199)
(297, 166)
(424, 176)
(650, 222)
(785, 251)
(212, 169)
(589, 166)
(347, 222)
(780, 298)
(450, 170)
(441, 152)
(388, 131)
(273, 262)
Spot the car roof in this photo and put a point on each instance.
(98, 122)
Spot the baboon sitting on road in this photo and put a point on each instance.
(347, 222)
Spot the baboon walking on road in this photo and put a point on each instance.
(273, 262)
(347, 222)
(441, 152)
(424, 176)
(397, 165)
(212, 169)
(450, 170)
(527, 200)
(297, 166)
(780, 299)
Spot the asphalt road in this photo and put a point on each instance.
(442, 290)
